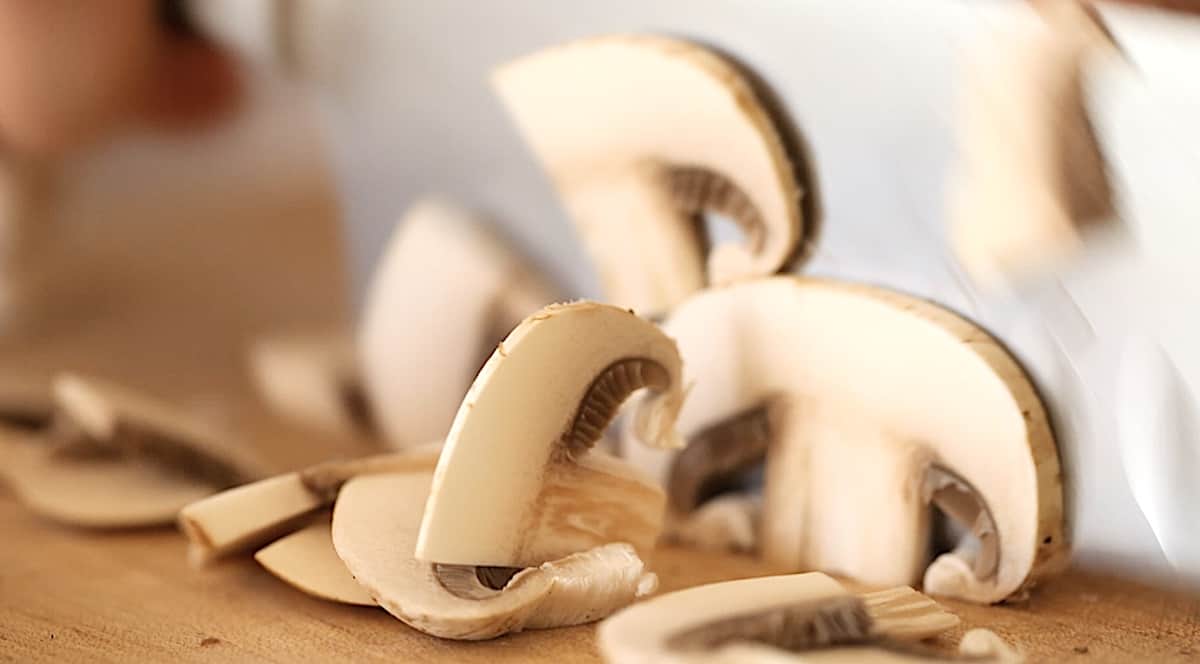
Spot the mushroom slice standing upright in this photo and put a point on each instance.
(444, 292)
(375, 525)
(882, 405)
(518, 482)
(641, 135)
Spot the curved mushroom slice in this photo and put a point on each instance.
(313, 379)
(125, 421)
(1033, 178)
(374, 531)
(883, 403)
(306, 560)
(518, 459)
(802, 613)
(416, 372)
(725, 523)
(253, 514)
(641, 134)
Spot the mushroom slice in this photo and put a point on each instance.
(797, 613)
(416, 371)
(641, 134)
(375, 525)
(135, 424)
(313, 379)
(518, 459)
(306, 560)
(1033, 178)
(25, 404)
(725, 523)
(251, 515)
(882, 404)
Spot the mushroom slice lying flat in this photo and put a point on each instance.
(882, 404)
(251, 515)
(518, 464)
(416, 371)
(642, 134)
(375, 525)
(762, 618)
(1033, 179)
(313, 379)
(306, 560)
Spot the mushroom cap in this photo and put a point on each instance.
(920, 375)
(307, 561)
(415, 372)
(597, 108)
(533, 410)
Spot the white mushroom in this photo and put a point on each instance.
(306, 560)
(375, 525)
(882, 405)
(641, 134)
(518, 461)
(771, 619)
(443, 293)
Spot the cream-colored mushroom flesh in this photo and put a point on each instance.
(416, 370)
(641, 134)
(518, 464)
(114, 416)
(798, 613)
(1033, 179)
(313, 379)
(306, 560)
(375, 525)
(885, 403)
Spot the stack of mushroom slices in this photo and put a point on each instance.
(89, 453)
(521, 525)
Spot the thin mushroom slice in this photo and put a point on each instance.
(518, 459)
(375, 525)
(883, 406)
(415, 371)
(138, 425)
(641, 134)
(313, 379)
(725, 523)
(306, 560)
(251, 515)
(806, 614)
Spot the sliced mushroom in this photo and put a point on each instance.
(306, 560)
(642, 134)
(726, 523)
(313, 379)
(802, 613)
(427, 329)
(883, 404)
(25, 403)
(375, 525)
(138, 425)
(519, 460)
(1033, 179)
(249, 516)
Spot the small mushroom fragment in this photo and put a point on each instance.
(251, 515)
(518, 459)
(1033, 179)
(415, 371)
(641, 134)
(313, 379)
(375, 525)
(306, 560)
(764, 618)
(882, 405)
(725, 523)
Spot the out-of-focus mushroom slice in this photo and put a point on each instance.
(138, 425)
(518, 461)
(1033, 179)
(884, 404)
(375, 525)
(641, 134)
(725, 523)
(306, 560)
(25, 403)
(313, 379)
(416, 370)
(251, 515)
(807, 614)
